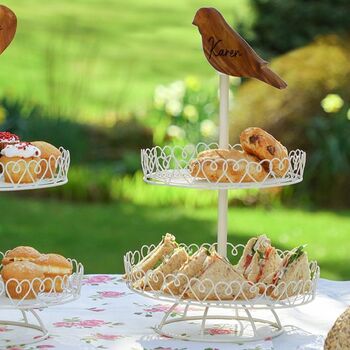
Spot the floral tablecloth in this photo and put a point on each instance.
(109, 316)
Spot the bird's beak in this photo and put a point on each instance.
(194, 22)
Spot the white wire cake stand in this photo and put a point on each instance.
(35, 174)
(233, 305)
(40, 297)
(174, 166)
(31, 175)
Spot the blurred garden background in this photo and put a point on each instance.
(105, 78)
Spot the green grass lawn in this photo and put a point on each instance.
(103, 55)
(99, 234)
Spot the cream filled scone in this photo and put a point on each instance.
(7, 138)
(21, 253)
(56, 269)
(49, 155)
(20, 163)
(23, 279)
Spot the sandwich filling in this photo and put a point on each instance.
(288, 261)
(263, 248)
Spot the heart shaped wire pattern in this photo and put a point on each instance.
(223, 293)
(34, 173)
(32, 293)
(183, 166)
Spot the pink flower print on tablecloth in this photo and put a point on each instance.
(158, 308)
(96, 309)
(219, 331)
(77, 323)
(97, 279)
(151, 309)
(107, 294)
(111, 294)
(107, 336)
(101, 337)
(91, 323)
(4, 329)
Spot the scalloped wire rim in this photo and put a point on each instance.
(294, 293)
(33, 174)
(170, 165)
(70, 286)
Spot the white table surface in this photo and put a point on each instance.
(109, 316)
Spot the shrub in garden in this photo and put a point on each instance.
(32, 123)
(298, 20)
(87, 143)
(327, 173)
(311, 72)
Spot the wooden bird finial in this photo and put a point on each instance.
(228, 52)
(8, 25)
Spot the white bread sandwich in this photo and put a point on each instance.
(155, 257)
(259, 261)
(221, 281)
(190, 269)
(293, 276)
(171, 264)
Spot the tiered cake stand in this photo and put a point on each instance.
(31, 329)
(236, 320)
(233, 315)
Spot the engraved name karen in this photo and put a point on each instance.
(221, 52)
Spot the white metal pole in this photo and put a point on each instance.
(223, 143)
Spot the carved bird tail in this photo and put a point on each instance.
(270, 77)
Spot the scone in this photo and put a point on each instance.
(50, 155)
(262, 145)
(23, 279)
(220, 165)
(21, 253)
(6, 138)
(56, 269)
(20, 163)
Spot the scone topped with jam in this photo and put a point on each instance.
(7, 138)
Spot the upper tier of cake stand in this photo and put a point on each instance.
(35, 174)
(170, 166)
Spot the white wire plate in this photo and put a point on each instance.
(70, 286)
(170, 166)
(35, 174)
(299, 292)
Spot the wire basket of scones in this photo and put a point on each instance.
(31, 165)
(258, 161)
(256, 275)
(31, 280)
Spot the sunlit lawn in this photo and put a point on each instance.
(104, 55)
(99, 234)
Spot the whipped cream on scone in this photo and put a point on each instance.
(21, 150)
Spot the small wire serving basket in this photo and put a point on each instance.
(30, 295)
(41, 292)
(172, 165)
(30, 174)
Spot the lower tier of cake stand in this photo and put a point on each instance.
(210, 324)
(28, 330)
